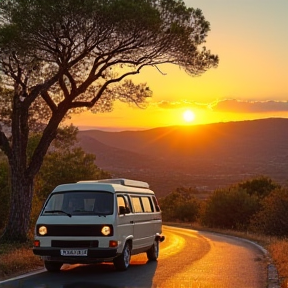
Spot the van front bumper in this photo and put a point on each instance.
(93, 255)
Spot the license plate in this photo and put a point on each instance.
(74, 252)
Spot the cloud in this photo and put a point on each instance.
(229, 105)
(240, 106)
(180, 104)
(171, 105)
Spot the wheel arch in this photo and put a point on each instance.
(159, 237)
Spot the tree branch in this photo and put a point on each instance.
(92, 102)
(63, 86)
(48, 100)
(159, 70)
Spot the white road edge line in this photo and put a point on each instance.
(23, 276)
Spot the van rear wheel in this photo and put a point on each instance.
(153, 252)
(53, 266)
(122, 261)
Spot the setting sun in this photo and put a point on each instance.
(188, 116)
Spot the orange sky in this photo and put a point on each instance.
(251, 82)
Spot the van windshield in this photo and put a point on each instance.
(79, 203)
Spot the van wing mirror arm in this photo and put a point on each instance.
(124, 210)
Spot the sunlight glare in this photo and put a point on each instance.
(188, 116)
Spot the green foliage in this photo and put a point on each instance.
(33, 141)
(66, 137)
(272, 219)
(66, 163)
(230, 208)
(180, 205)
(236, 206)
(67, 167)
(260, 186)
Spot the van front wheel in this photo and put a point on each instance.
(52, 266)
(122, 262)
(153, 252)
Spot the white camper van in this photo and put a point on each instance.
(98, 221)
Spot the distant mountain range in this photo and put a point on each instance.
(206, 157)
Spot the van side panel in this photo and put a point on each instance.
(146, 223)
(124, 226)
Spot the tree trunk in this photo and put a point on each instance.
(22, 175)
(20, 209)
(21, 183)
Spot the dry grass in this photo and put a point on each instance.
(279, 252)
(17, 260)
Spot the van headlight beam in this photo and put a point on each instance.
(42, 230)
(106, 230)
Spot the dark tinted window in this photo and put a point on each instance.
(80, 203)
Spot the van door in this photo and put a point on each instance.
(144, 233)
(125, 224)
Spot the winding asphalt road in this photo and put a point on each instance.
(188, 259)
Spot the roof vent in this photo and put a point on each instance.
(121, 181)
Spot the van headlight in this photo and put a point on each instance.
(106, 230)
(42, 230)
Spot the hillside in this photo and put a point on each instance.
(202, 156)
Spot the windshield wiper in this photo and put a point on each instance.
(58, 211)
(100, 214)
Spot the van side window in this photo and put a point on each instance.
(147, 205)
(120, 202)
(137, 207)
(128, 202)
(157, 207)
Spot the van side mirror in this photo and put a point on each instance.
(124, 210)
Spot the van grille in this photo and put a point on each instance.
(74, 230)
(74, 244)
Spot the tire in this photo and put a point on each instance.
(53, 266)
(153, 252)
(122, 261)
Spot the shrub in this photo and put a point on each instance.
(230, 208)
(260, 186)
(180, 205)
(187, 211)
(272, 219)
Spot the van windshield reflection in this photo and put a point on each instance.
(80, 203)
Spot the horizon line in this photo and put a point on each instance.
(128, 128)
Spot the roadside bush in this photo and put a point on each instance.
(188, 211)
(180, 205)
(260, 186)
(272, 219)
(230, 208)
